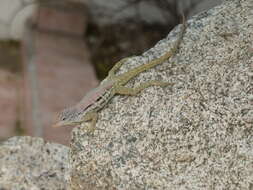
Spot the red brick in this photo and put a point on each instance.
(63, 71)
(63, 79)
(51, 43)
(66, 18)
(8, 104)
(63, 82)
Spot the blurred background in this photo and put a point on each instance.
(52, 52)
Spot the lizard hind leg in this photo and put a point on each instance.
(134, 91)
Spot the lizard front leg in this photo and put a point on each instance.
(93, 117)
(134, 91)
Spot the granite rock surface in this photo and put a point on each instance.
(196, 134)
(30, 163)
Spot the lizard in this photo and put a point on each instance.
(95, 100)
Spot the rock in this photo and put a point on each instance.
(196, 134)
(32, 163)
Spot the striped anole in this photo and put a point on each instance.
(87, 109)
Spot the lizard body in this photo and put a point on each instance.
(96, 99)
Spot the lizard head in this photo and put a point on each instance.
(68, 117)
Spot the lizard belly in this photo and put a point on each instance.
(95, 95)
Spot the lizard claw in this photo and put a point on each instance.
(88, 128)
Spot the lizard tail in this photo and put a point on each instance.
(132, 73)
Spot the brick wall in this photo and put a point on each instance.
(57, 69)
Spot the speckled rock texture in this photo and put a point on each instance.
(196, 134)
(28, 163)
